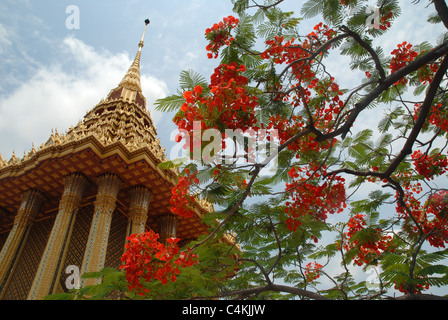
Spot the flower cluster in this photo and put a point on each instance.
(228, 106)
(427, 72)
(146, 259)
(229, 103)
(330, 104)
(385, 21)
(438, 226)
(181, 200)
(401, 57)
(416, 288)
(429, 218)
(370, 248)
(312, 271)
(320, 96)
(292, 51)
(296, 54)
(307, 197)
(228, 87)
(439, 117)
(190, 110)
(219, 35)
(405, 54)
(429, 166)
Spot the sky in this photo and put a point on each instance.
(51, 74)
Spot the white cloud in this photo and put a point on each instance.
(59, 95)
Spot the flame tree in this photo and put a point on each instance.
(359, 181)
(308, 225)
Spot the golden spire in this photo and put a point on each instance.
(132, 78)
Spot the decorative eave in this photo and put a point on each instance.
(45, 169)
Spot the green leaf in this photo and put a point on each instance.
(434, 256)
(216, 193)
(170, 164)
(438, 268)
(190, 79)
(329, 251)
(362, 136)
(387, 121)
(398, 269)
(434, 18)
(239, 6)
(267, 30)
(358, 151)
(169, 104)
(312, 8)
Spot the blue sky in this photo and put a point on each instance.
(52, 75)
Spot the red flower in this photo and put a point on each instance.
(385, 20)
(178, 138)
(229, 103)
(181, 200)
(368, 250)
(429, 166)
(306, 197)
(401, 57)
(146, 259)
(439, 116)
(197, 90)
(312, 271)
(219, 35)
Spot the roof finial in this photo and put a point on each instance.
(140, 45)
(132, 77)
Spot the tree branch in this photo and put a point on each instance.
(265, 274)
(265, 7)
(422, 116)
(442, 10)
(419, 62)
(313, 55)
(233, 210)
(277, 288)
(368, 48)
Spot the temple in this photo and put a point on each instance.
(75, 199)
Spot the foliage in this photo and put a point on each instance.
(294, 221)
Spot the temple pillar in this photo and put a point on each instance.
(138, 209)
(167, 227)
(31, 203)
(95, 254)
(49, 270)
